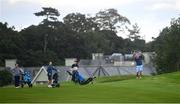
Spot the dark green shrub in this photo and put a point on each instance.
(5, 78)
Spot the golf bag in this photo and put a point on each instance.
(26, 79)
(78, 78)
(55, 79)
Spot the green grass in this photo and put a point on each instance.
(117, 89)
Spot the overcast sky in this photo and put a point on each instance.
(150, 15)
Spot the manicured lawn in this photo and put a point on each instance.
(117, 89)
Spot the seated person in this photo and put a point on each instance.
(76, 77)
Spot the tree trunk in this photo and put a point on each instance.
(45, 43)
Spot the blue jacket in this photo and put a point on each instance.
(50, 69)
(77, 77)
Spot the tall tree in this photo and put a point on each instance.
(10, 43)
(34, 54)
(167, 48)
(80, 23)
(51, 15)
(133, 33)
(110, 19)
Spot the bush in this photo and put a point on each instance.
(5, 78)
(167, 48)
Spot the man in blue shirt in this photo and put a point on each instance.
(139, 64)
(50, 69)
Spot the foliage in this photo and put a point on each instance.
(5, 78)
(107, 19)
(78, 35)
(80, 23)
(167, 48)
(49, 13)
(133, 33)
(10, 44)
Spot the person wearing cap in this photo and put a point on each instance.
(139, 64)
(50, 69)
(75, 66)
(76, 76)
(74, 69)
(17, 73)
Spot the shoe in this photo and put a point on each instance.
(49, 86)
(93, 77)
(17, 87)
(22, 85)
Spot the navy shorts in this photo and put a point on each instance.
(49, 76)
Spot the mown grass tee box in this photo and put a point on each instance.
(163, 88)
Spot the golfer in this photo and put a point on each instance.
(139, 64)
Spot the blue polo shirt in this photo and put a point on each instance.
(138, 60)
(50, 69)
